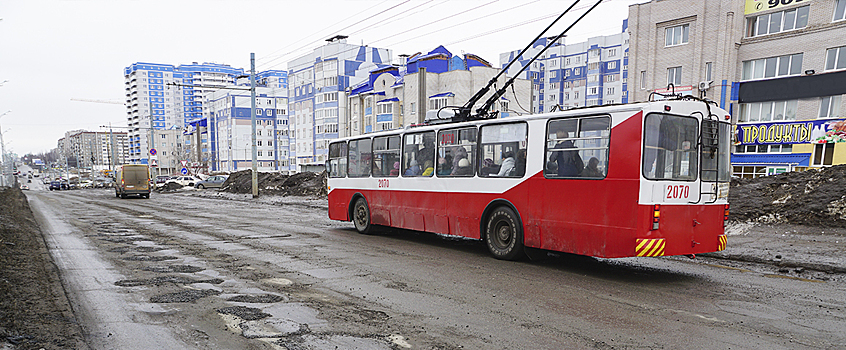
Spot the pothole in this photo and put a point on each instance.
(257, 299)
(245, 313)
(149, 258)
(157, 281)
(174, 268)
(185, 296)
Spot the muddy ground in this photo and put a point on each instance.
(34, 310)
(300, 184)
(815, 198)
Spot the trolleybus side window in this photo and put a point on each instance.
(670, 148)
(503, 150)
(578, 147)
(386, 156)
(457, 152)
(359, 158)
(418, 154)
(338, 159)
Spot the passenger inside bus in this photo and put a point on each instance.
(567, 163)
(507, 166)
(443, 166)
(427, 168)
(592, 169)
(395, 170)
(520, 163)
(458, 153)
(413, 169)
(463, 168)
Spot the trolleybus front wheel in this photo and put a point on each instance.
(361, 216)
(504, 234)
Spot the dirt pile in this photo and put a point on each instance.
(34, 310)
(300, 184)
(169, 187)
(812, 197)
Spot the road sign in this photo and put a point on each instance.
(184, 163)
(154, 162)
(184, 171)
(152, 151)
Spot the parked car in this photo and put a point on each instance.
(58, 185)
(161, 179)
(185, 180)
(212, 182)
(24, 187)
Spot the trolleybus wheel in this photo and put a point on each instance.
(504, 234)
(361, 216)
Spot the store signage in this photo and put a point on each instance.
(800, 131)
(753, 6)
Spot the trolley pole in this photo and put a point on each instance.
(253, 120)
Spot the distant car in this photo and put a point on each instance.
(58, 185)
(189, 181)
(24, 187)
(161, 179)
(212, 182)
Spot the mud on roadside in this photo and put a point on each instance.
(34, 310)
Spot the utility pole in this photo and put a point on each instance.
(151, 144)
(3, 164)
(253, 120)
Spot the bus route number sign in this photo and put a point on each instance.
(383, 183)
(676, 192)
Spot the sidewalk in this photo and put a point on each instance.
(788, 246)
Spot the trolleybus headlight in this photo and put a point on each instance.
(656, 216)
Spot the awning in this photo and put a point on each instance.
(796, 159)
(393, 99)
(444, 94)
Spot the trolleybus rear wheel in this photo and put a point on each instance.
(504, 234)
(361, 216)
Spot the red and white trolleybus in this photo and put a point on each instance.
(642, 179)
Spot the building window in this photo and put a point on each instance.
(612, 52)
(385, 108)
(437, 103)
(830, 107)
(612, 65)
(840, 10)
(708, 69)
(776, 22)
(676, 35)
(674, 75)
(835, 58)
(643, 79)
(772, 67)
(610, 91)
(823, 153)
(768, 111)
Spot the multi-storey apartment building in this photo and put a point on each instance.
(398, 96)
(317, 82)
(165, 97)
(778, 67)
(230, 125)
(94, 150)
(589, 73)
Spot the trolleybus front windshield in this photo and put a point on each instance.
(670, 149)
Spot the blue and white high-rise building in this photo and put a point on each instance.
(589, 73)
(317, 83)
(162, 97)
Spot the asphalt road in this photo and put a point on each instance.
(180, 271)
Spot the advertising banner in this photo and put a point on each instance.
(799, 131)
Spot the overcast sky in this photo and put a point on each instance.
(53, 51)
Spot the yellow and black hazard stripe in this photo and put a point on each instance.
(649, 247)
(721, 243)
